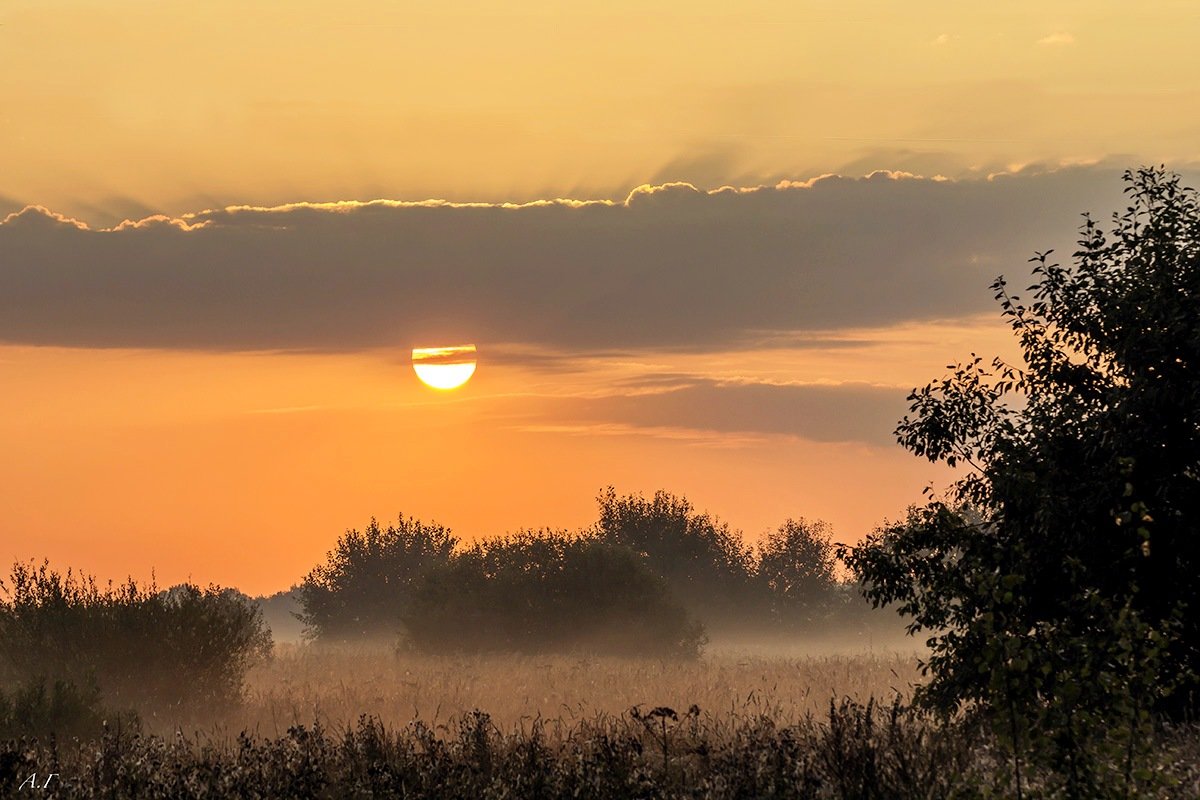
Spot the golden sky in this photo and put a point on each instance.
(115, 108)
(219, 391)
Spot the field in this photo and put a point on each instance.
(368, 721)
(336, 685)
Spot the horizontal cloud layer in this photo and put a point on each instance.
(670, 267)
(849, 412)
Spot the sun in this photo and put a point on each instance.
(444, 368)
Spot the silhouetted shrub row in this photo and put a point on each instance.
(549, 591)
(523, 592)
(641, 580)
(857, 751)
(64, 640)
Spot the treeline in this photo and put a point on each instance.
(651, 576)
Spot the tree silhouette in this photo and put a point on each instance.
(1060, 579)
(797, 564)
(549, 591)
(706, 565)
(368, 578)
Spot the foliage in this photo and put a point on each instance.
(537, 591)
(861, 751)
(797, 564)
(1059, 580)
(705, 564)
(641, 580)
(368, 578)
(185, 649)
(63, 709)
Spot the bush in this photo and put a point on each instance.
(706, 565)
(548, 591)
(184, 650)
(655, 566)
(368, 578)
(868, 752)
(63, 709)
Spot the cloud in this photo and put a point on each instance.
(848, 412)
(1057, 39)
(672, 266)
(39, 217)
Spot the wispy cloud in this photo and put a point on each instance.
(691, 436)
(825, 412)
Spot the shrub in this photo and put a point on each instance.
(706, 565)
(367, 580)
(656, 565)
(60, 708)
(549, 591)
(182, 650)
(864, 751)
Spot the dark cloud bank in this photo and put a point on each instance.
(672, 267)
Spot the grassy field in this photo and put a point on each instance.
(370, 722)
(336, 685)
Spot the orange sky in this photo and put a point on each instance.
(220, 392)
(243, 468)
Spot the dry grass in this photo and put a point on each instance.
(337, 685)
(736, 723)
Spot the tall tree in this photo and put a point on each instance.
(797, 564)
(1061, 575)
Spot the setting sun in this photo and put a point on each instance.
(444, 368)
